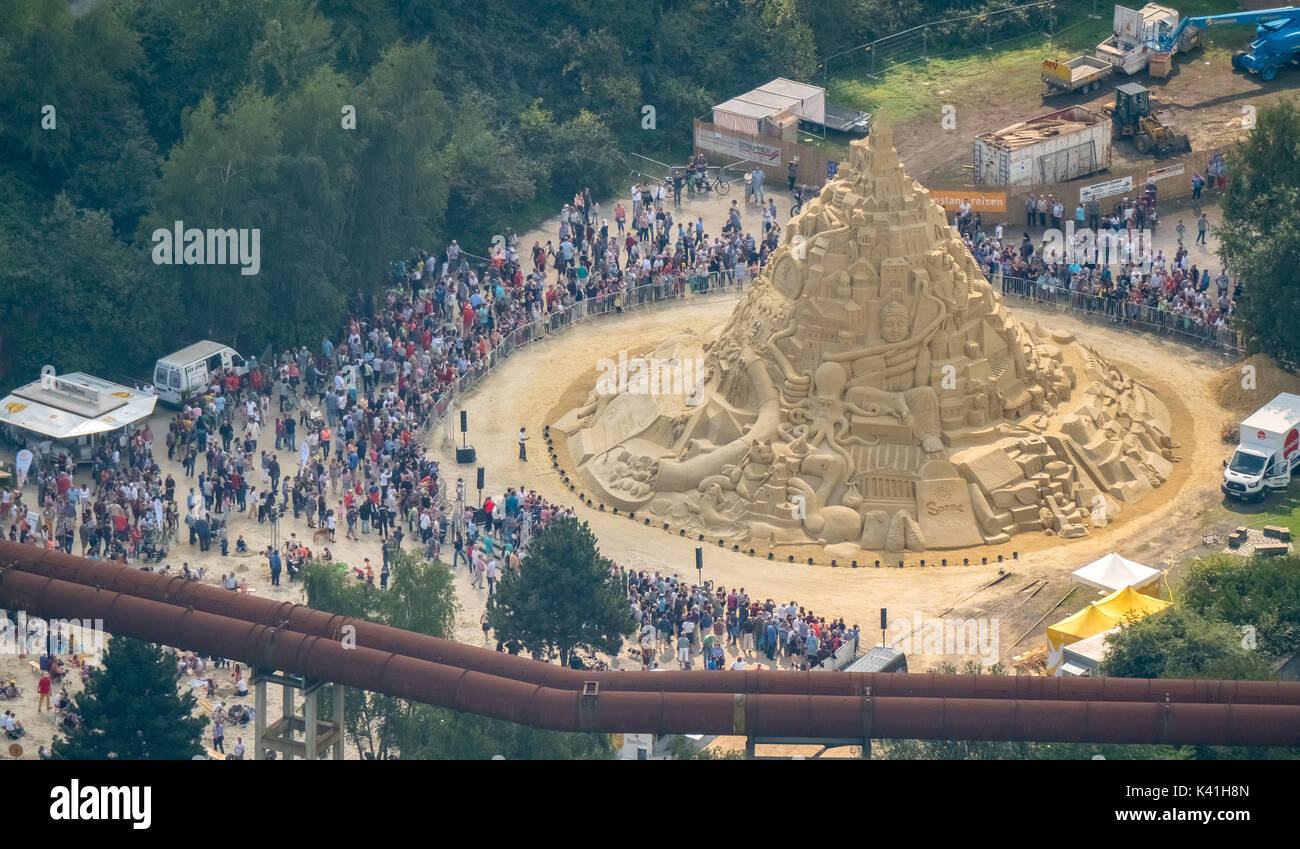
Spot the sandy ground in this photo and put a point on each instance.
(527, 390)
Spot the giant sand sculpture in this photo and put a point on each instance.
(872, 393)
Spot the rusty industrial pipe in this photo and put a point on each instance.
(589, 709)
(306, 620)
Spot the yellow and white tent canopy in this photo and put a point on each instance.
(74, 405)
(1121, 606)
(1114, 572)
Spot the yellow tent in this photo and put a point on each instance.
(1115, 609)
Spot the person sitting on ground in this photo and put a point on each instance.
(13, 728)
(241, 687)
(12, 691)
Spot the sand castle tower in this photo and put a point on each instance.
(872, 393)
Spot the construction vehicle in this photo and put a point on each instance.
(1277, 42)
(1082, 73)
(1132, 117)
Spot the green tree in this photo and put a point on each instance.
(1259, 237)
(130, 710)
(51, 317)
(563, 597)
(421, 598)
(1179, 643)
(1262, 593)
(682, 749)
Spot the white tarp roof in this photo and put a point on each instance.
(1114, 572)
(73, 405)
(806, 101)
(740, 106)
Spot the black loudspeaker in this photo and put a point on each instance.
(464, 421)
(699, 558)
(884, 619)
(466, 455)
(480, 477)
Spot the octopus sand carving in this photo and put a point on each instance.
(872, 393)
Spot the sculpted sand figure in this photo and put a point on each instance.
(872, 391)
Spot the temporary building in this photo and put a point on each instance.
(1123, 605)
(1085, 656)
(1114, 572)
(74, 405)
(1050, 148)
(768, 108)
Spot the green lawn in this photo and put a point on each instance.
(1007, 72)
(1283, 509)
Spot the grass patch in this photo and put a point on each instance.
(1009, 71)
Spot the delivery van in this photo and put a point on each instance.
(190, 370)
(1268, 451)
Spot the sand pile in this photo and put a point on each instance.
(1236, 392)
(871, 393)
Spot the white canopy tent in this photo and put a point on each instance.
(1113, 572)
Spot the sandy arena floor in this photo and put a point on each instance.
(528, 390)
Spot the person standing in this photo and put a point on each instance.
(273, 557)
(43, 688)
(1202, 227)
(523, 449)
(219, 736)
(758, 184)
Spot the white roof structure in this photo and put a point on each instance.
(1113, 572)
(74, 405)
(746, 112)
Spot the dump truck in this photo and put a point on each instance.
(1082, 73)
(1267, 453)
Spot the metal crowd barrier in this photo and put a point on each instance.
(662, 290)
(1184, 328)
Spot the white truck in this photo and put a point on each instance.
(1268, 450)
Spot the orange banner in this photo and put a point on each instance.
(950, 199)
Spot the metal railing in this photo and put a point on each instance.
(666, 289)
(1178, 326)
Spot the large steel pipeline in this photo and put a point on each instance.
(593, 710)
(306, 620)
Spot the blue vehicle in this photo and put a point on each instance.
(1276, 44)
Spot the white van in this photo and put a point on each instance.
(190, 370)
(1267, 453)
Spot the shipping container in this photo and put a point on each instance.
(1051, 148)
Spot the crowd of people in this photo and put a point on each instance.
(354, 412)
(691, 623)
(1107, 265)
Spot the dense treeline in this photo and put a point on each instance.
(470, 116)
